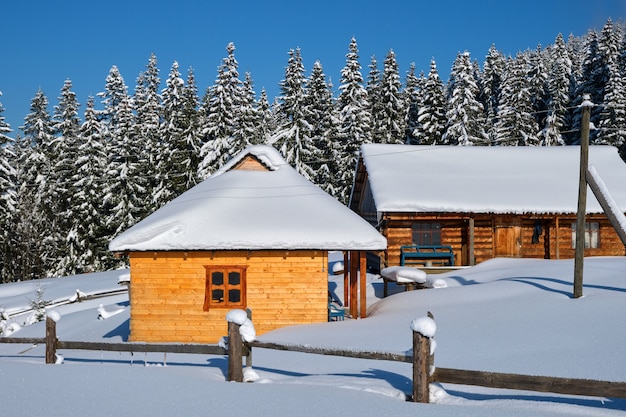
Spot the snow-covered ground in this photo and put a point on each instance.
(503, 315)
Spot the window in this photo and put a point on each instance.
(225, 287)
(592, 235)
(426, 233)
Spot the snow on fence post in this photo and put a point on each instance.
(423, 330)
(51, 340)
(240, 330)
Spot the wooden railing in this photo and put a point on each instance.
(420, 357)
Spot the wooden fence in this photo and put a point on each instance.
(420, 358)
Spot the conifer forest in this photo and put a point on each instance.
(77, 174)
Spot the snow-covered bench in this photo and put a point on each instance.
(410, 277)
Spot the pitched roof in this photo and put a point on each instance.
(256, 201)
(468, 179)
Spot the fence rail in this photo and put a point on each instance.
(419, 356)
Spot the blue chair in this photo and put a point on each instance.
(335, 313)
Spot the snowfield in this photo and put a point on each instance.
(503, 315)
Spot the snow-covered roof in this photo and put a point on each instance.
(247, 209)
(468, 179)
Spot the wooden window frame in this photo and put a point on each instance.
(209, 302)
(590, 233)
(433, 230)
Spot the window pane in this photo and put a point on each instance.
(217, 296)
(234, 278)
(217, 278)
(234, 296)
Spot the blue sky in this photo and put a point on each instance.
(45, 42)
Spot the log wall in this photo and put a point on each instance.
(555, 241)
(167, 293)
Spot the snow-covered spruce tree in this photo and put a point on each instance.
(66, 124)
(87, 223)
(431, 113)
(591, 81)
(191, 131)
(267, 120)
(148, 109)
(538, 84)
(493, 68)
(171, 156)
(374, 100)
(126, 191)
(390, 124)
(293, 137)
(248, 130)
(559, 88)
(221, 111)
(412, 91)
(354, 122)
(34, 206)
(465, 113)
(516, 124)
(321, 116)
(7, 200)
(612, 118)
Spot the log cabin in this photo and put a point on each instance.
(254, 235)
(478, 203)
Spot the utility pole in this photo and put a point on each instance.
(582, 197)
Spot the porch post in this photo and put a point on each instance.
(363, 289)
(354, 270)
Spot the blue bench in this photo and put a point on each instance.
(420, 254)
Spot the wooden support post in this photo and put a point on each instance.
(346, 278)
(51, 340)
(421, 371)
(582, 199)
(235, 353)
(363, 286)
(470, 248)
(354, 289)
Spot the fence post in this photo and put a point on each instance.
(51, 340)
(248, 347)
(235, 353)
(421, 354)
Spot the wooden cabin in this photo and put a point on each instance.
(485, 202)
(255, 235)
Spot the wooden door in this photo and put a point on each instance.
(508, 238)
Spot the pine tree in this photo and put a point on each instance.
(321, 117)
(559, 94)
(88, 228)
(148, 107)
(35, 219)
(248, 129)
(191, 131)
(66, 124)
(170, 167)
(221, 109)
(267, 120)
(431, 114)
(516, 124)
(391, 123)
(592, 80)
(612, 116)
(126, 186)
(293, 137)
(412, 91)
(354, 121)
(7, 200)
(493, 69)
(465, 113)
(375, 101)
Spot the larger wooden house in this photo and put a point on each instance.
(255, 235)
(485, 202)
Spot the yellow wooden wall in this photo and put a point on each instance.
(167, 292)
